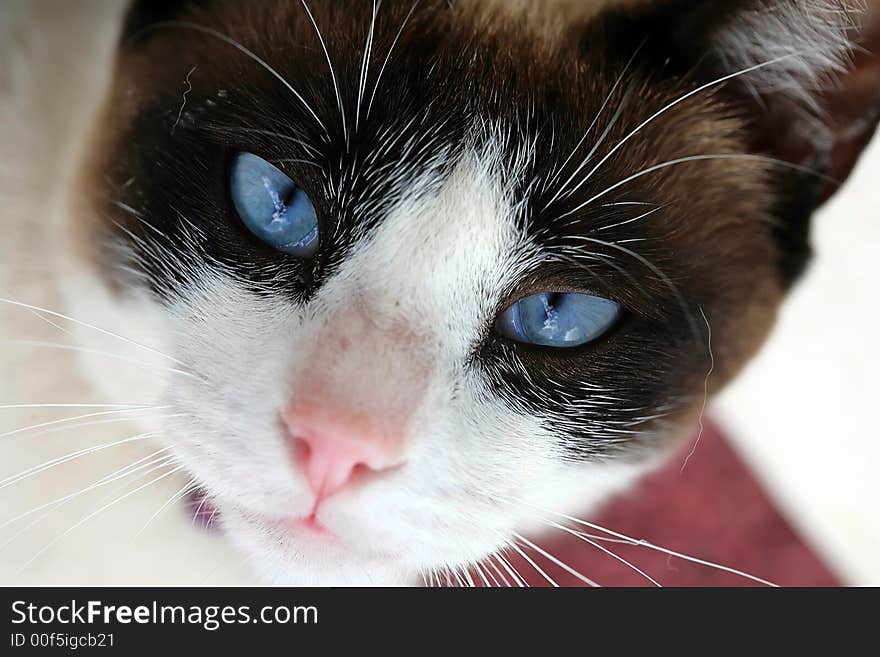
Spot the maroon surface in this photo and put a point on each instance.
(714, 510)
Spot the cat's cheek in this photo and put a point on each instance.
(138, 371)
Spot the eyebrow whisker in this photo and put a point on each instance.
(561, 168)
(679, 100)
(339, 102)
(249, 53)
(388, 57)
(368, 50)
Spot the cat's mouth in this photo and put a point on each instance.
(207, 515)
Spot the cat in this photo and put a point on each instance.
(403, 280)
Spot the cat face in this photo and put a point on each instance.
(431, 273)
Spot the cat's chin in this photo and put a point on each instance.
(302, 552)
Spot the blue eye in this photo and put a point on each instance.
(561, 320)
(272, 207)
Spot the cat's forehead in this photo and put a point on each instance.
(366, 106)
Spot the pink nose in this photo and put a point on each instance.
(333, 449)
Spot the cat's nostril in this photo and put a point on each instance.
(300, 451)
(331, 461)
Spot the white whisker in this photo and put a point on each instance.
(191, 485)
(97, 352)
(388, 57)
(658, 548)
(615, 117)
(586, 580)
(534, 565)
(48, 465)
(121, 473)
(76, 405)
(91, 515)
(490, 573)
(629, 221)
(91, 326)
(186, 92)
(694, 158)
(700, 420)
(198, 510)
(491, 561)
(368, 50)
(640, 542)
(91, 423)
(332, 72)
(45, 319)
(157, 463)
(513, 572)
(596, 545)
(678, 101)
(482, 575)
(587, 132)
(77, 417)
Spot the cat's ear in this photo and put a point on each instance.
(801, 71)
